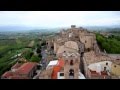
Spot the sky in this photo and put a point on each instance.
(59, 18)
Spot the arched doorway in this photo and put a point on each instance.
(71, 74)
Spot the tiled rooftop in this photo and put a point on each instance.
(26, 67)
(57, 68)
(22, 69)
(16, 66)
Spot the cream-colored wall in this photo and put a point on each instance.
(61, 49)
(56, 47)
(89, 41)
(115, 70)
(102, 64)
(70, 50)
(71, 44)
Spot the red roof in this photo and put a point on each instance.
(26, 67)
(18, 77)
(57, 68)
(16, 66)
(60, 63)
(7, 74)
(12, 75)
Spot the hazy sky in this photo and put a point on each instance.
(59, 18)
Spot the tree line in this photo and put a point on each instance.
(110, 44)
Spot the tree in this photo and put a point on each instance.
(43, 43)
(35, 58)
(111, 44)
(40, 56)
(38, 50)
(27, 55)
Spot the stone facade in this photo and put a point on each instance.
(76, 46)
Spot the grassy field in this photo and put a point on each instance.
(10, 48)
(12, 44)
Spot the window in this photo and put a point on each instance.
(106, 63)
(71, 62)
(52, 47)
(104, 68)
(88, 49)
(115, 66)
(71, 72)
(61, 74)
(85, 41)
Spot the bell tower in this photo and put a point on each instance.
(71, 67)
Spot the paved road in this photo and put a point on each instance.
(44, 57)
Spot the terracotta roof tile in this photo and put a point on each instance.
(57, 68)
(26, 67)
(60, 63)
(7, 74)
(16, 66)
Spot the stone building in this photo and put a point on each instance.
(100, 66)
(21, 71)
(77, 51)
(71, 66)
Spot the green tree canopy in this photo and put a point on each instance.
(35, 58)
(110, 44)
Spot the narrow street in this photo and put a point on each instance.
(44, 57)
(82, 65)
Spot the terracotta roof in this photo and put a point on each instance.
(57, 68)
(60, 62)
(7, 74)
(12, 75)
(16, 66)
(18, 77)
(26, 68)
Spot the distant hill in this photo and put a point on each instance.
(44, 30)
(26, 29)
(14, 28)
(103, 28)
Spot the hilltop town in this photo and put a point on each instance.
(72, 53)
